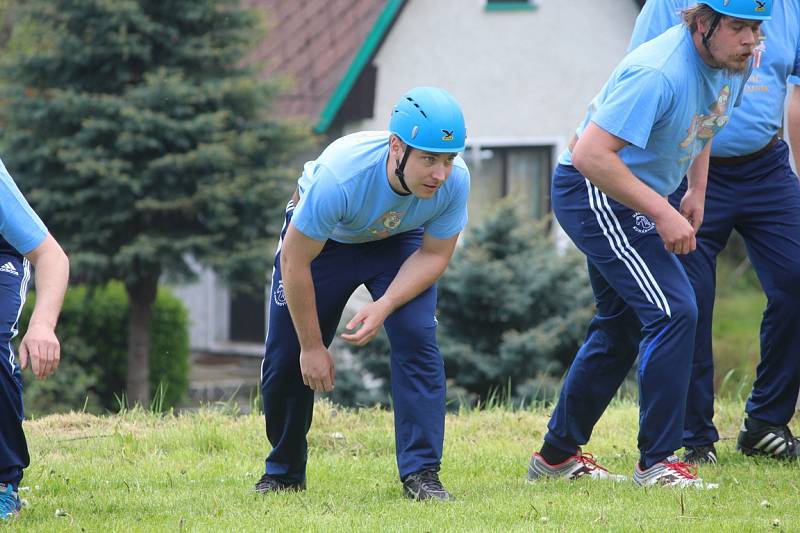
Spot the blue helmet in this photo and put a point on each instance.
(741, 9)
(429, 119)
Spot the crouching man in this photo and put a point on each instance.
(382, 209)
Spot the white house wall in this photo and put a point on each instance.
(207, 300)
(517, 74)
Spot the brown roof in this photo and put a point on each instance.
(313, 42)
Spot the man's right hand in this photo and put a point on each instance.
(318, 369)
(40, 346)
(676, 232)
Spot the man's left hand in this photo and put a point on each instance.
(371, 318)
(693, 207)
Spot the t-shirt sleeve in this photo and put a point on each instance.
(639, 97)
(322, 206)
(656, 17)
(453, 218)
(19, 224)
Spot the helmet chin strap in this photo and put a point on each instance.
(399, 171)
(711, 29)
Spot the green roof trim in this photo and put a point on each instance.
(364, 54)
(511, 6)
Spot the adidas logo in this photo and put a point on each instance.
(774, 441)
(772, 444)
(9, 267)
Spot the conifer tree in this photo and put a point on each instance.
(143, 138)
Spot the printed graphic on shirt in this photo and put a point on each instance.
(704, 127)
(759, 51)
(386, 224)
(755, 83)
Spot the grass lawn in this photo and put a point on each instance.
(195, 472)
(738, 310)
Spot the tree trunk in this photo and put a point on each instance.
(142, 296)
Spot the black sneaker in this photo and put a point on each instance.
(425, 485)
(697, 455)
(268, 483)
(757, 438)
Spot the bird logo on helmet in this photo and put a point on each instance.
(742, 9)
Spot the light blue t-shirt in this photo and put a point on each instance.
(667, 103)
(20, 227)
(345, 195)
(760, 116)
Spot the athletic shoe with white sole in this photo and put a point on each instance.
(574, 467)
(696, 455)
(671, 472)
(767, 441)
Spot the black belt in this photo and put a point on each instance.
(739, 159)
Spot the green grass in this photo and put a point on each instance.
(195, 472)
(738, 310)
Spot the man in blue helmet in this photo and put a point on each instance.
(751, 189)
(24, 241)
(382, 209)
(650, 125)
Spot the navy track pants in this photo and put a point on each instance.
(15, 273)
(645, 307)
(417, 369)
(760, 199)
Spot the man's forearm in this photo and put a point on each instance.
(418, 272)
(52, 275)
(697, 175)
(609, 174)
(298, 287)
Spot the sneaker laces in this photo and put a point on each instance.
(588, 460)
(683, 470)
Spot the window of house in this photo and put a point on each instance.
(510, 5)
(509, 171)
(247, 317)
